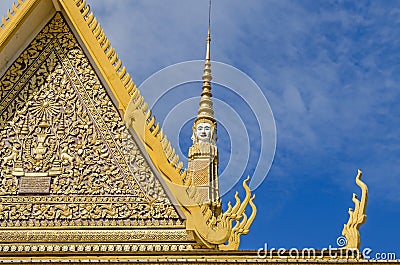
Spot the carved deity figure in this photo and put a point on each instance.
(204, 132)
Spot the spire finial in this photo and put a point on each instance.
(208, 34)
(206, 105)
(209, 14)
(203, 154)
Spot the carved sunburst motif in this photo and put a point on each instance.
(45, 107)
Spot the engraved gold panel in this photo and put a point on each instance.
(34, 184)
(62, 137)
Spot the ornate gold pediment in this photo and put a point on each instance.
(67, 160)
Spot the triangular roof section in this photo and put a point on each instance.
(71, 171)
(28, 17)
(84, 165)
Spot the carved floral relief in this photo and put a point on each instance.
(61, 136)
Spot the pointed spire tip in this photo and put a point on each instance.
(206, 105)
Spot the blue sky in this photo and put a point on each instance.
(331, 73)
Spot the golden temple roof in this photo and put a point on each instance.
(85, 167)
(87, 175)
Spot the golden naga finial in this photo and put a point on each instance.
(219, 230)
(242, 226)
(357, 216)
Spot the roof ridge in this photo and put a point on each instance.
(127, 81)
(105, 44)
(5, 20)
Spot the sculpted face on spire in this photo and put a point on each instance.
(204, 131)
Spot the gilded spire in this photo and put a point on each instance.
(206, 105)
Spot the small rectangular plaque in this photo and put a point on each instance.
(34, 184)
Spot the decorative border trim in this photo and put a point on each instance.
(92, 248)
(95, 235)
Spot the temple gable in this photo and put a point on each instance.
(68, 161)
